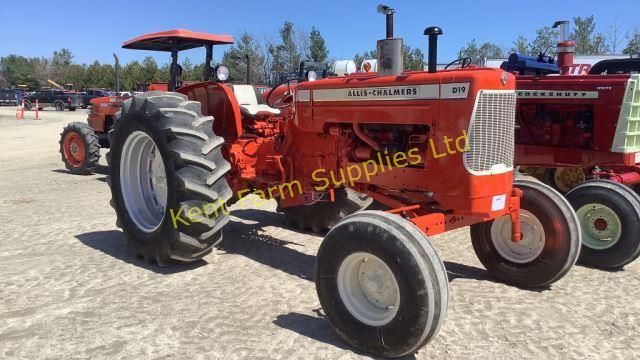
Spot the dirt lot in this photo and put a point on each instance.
(68, 289)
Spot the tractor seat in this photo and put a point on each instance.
(251, 102)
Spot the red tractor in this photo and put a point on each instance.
(581, 134)
(436, 147)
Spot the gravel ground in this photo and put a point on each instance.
(68, 288)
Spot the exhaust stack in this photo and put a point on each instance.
(566, 48)
(433, 32)
(389, 50)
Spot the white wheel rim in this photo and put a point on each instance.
(525, 250)
(368, 289)
(601, 226)
(143, 181)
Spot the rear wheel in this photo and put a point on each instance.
(59, 106)
(167, 178)
(550, 242)
(323, 215)
(609, 215)
(79, 148)
(72, 108)
(381, 284)
(27, 105)
(565, 178)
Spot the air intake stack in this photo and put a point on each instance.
(433, 32)
(390, 55)
(566, 48)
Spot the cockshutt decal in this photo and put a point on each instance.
(548, 94)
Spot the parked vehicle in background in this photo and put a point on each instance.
(58, 99)
(10, 96)
(91, 94)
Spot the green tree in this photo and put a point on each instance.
(17, 70)
(478, 54)
(236, 60)
(149, 70)
(367, 55)
(100, 75)
(60, 63)
(132, 75)
(587, 41)
(521, 46)
(633, 46)
(286, 55)
(413, 58)
(77, 76)
(545, 41)
(317, 49)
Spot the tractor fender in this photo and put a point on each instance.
(219, 101)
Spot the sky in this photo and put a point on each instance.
(94, 30)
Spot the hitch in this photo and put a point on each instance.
(514, 208)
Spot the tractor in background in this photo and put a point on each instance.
(80, 143)
(581, 135)
(178, 157)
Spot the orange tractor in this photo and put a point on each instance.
(435, 147)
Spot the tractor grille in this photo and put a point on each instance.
(491, 133)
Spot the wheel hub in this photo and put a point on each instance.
(144, 181)
(525, 250)
(368, 288)
(601, 226)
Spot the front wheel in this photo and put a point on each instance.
(550, 242)
(609, 215)
(167, 178)
(27, 105)
(59, 106)
(79, 148)
(381, 284)
(72, 108)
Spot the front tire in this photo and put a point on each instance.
(72, 108)
(381, 284)
(609, 215)
(167, 178)
(79, 148)
(59, 106)
(27, 105)
(550, 243)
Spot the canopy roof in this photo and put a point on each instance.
(163, 40)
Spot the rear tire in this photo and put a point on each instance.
(323, 215)
(179, 216)
(72, 109)
(381, 284)
(550, 245)
(609, 215)
(27, 105)
(79, 148)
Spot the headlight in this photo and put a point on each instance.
(312, 75)
(222, 73)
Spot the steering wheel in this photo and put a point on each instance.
(464, 62)
(282, 98)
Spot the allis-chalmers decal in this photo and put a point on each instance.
(414, 92)
(547, 94)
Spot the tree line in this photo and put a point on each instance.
(282, 54)
(583, 33)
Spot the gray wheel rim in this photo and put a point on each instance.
(143, 181)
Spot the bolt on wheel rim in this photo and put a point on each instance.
(601, 226)
(525, 250)
(368, 289)
(73, 148)
(143, 180)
